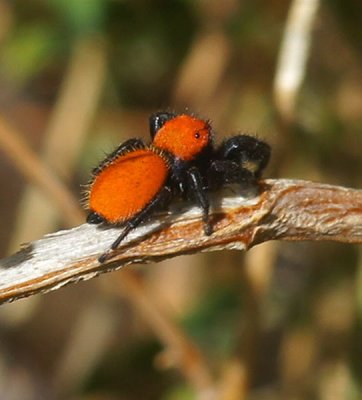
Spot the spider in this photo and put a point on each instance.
(137, 178)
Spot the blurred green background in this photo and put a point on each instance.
(283, 321)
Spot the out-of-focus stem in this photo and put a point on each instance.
(293, 56)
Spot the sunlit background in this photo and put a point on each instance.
(283, 321)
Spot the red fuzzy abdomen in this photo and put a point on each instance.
(125, 186)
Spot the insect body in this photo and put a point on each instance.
(138, 178)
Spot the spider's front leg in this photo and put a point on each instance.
(197, 190)
(248, 152)
(222, 172)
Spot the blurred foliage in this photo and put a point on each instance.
(308, 322)
(113, 374)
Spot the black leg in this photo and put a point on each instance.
(249, 152)
(94, 218)
(197, 190)
(128, 145)
(225, 171)
(160, 200)
(157, 120)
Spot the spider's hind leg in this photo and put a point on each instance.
(128, 145)
(161, 199)
(95, 218)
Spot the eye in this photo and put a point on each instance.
(197, 135)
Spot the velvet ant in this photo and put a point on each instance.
(137, 178)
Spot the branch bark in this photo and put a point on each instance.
(284, 209)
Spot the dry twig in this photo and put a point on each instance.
(285, 209)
